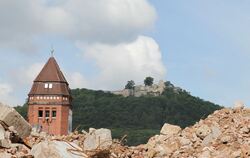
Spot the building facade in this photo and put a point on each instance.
(49, 101)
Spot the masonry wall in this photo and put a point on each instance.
(57, 125)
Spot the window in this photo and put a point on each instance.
(40, 113)
(48, 85)
(54, 113)
(47, 113)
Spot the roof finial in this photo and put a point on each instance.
(52, 51)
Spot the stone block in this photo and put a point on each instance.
(11, 117)
(203, 131)
(5, 143)
(170, 130)
(100, 138)
(56, 149)
(2, 132)
(5, 155)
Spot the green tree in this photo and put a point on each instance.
(149, 81)
(23, 110)
(130, 85)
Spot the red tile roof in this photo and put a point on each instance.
(50, 73)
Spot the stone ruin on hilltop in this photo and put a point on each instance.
(141, 90)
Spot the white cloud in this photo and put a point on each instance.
(122, 62)
(109, 21)
(107, 29)
(29, 73)
(5, 91)
(76, 80)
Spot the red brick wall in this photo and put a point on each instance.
(51, 125)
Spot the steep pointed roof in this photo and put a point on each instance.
(51, 72)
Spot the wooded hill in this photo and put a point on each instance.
(137, 117)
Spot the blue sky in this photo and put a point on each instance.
(206, 47)
(201, 46)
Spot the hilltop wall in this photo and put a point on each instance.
(141, 90)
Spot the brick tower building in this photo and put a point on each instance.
(49, 101)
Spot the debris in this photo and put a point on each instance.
(10, 117)
(2, 132)
(225, 139)
(97, 139)
(225, 133)
(238, 105)
(57, 149)
(5, 155)
(203, 131)
(222, 134)
(5, 143)
(170, 130)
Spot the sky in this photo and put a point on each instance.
(200, 46)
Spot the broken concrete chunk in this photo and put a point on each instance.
(2, 132)
(203, 131)
(5, 155)
(209, 138)
(238, 105)
(184, 141)
(100, 138)
(91, 130)
(244, 130)
(56, 149)
(245, 151)
(12, 129)
(170, 130)
(5, 143)
(84, 132)
(215, 133)
(11, 117)
(205, 154)
(225, 139)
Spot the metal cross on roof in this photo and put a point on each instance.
(52, 51)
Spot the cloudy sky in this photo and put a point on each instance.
(201, 46)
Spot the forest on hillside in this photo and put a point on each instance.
(137, 117)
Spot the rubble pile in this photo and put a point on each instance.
(225, 133)
(13, 128)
